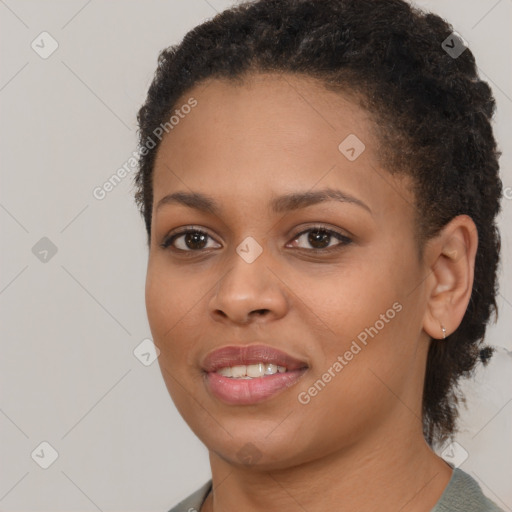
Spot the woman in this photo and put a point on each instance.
(319, 182)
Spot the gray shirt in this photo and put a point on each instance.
(462, 494)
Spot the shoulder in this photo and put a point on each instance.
(463, 493)
(193, 502)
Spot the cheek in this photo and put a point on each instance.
(168, 295)
(353, 386)
(166, 308)
(363, 334)
(166, 305)
(175, 306)
(346, 302)
(159, 309)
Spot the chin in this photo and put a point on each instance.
(253, 448)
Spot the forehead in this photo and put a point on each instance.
(278, 101)
(271, 132)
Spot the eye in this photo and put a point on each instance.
(319, 238)
(196, 240)
(193, 240)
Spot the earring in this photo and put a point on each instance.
(444, 331)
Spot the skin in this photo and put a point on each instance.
(358, 444)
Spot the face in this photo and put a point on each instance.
(333, 283)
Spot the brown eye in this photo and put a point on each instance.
(190, 240)
(319, 239)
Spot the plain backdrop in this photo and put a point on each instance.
(73, 267)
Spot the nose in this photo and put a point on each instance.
(249, 292)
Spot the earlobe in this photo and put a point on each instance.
(452, 261)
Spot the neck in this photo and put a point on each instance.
(394, 470)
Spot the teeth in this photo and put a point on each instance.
(238, 371)
(255, 370)
(225, 372)
(251, 371)
(270, 369)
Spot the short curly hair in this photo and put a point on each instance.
(431, 111)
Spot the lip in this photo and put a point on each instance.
(234, 391)
(234, 355)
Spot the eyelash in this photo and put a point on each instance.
(344, 240)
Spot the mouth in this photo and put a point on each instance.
(242, 375)
(251, 371)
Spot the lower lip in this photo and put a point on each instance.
(249, 391)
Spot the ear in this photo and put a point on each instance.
(450, 257)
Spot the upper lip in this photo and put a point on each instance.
(233, 355)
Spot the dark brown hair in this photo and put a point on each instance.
(432, 114)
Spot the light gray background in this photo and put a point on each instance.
(68, 374)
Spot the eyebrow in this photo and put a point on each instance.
(280, 204)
